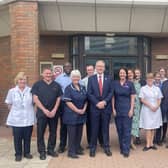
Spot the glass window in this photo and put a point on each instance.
(146, 46)
(111, 45)
(75, 46)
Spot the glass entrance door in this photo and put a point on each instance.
(118, 62)
(113, 64)
(92, 61)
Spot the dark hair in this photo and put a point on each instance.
(162, 68)
(132, 70)
(89, 65)
(123, 68)
(46, 68)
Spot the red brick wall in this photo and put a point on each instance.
(159, 47)
(24, 38)
(53, 44)
(5, 77)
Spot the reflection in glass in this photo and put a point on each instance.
(111, 45)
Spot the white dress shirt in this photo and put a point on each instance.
(22, 111)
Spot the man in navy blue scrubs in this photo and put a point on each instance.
(100, 94)
(46, 96)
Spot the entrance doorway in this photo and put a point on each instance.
(113, 64)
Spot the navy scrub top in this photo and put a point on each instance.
(47, 94)
(78, 98)
(122, 96)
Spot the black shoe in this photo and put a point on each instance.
(42, 156)
(146, 148)
(126, 155)
(159, 143)
(92, 153)
(28, 156)
(18, 158)
(73, 156)
(108, 152)
(137, 141)
(80, 152)
(61, 150)
(81, 148)
(52, 153)
(153, 147)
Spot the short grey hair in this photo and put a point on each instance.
(75, 72)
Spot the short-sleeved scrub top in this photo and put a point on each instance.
(47, 94)
(22, 111)
(148, 118)
(122, 96)
(78, 98)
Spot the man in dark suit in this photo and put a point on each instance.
(100, 94)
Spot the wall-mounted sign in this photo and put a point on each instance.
(57, 55)
(57, 70)
(161, 57)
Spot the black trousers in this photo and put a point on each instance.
(22, 134)
(161, 133)
(42, 123)
(63, 127)
(74, 137)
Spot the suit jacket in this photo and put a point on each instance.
(94, 93)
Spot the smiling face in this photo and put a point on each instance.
(162, 72)
(90, 70)
(100, 67)
(122, 74)
(67, 68)
(47, 75)
(75, 79)
(130, 75)
(22, 82)
(150, 79)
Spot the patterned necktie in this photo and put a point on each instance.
(100, 85)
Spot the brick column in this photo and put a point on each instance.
(24, 39)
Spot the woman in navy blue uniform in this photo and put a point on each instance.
(164, 108)
(123, 106)
(74, 116)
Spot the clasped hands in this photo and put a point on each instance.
(101, 104)
(49, 114)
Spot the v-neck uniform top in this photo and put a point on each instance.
(47, 94)
(78, 98)
(22, 111)
(122, 96)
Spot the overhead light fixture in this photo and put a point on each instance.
(110, 34)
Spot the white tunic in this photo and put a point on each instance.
(22, 111)
(148, 118)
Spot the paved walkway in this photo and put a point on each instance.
(137, 159)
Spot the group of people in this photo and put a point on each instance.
(134, 103)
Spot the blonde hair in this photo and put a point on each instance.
(75, 72)
(20, 75)
(149, 76)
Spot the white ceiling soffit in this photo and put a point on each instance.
(105, 16)
(147, 19)
(78, 18)
(4, 21)
(49, 17)
(165, 23)
(113, 19)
